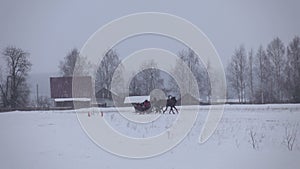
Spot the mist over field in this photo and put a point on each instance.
(150, 84)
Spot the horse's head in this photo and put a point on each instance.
(173, 99)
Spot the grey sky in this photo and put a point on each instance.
(50, 29)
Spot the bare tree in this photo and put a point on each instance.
(263, 70)
(14, 89)
(237, 72)
(135, 87)
(67, 66)
(172, 87)
(151, 78)
(292, 69)
(275, 52)
(250, 78)
(148, 79)
(271, 75)
(195, 66)
(1, 84)
(181, 75)
(208, 80)
(107, 69)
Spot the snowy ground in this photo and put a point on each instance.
(55, 139)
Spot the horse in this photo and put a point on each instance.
(158, 105)
(171, 102)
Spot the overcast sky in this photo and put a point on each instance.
(50, 29)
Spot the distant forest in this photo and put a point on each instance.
(270, 74)
(267, 75)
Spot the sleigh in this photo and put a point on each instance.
(140, 103)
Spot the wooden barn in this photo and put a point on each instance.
(61, 91)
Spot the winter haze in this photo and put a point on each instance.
(50, 29)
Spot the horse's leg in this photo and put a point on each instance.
(172, 110)
(161, 109)
(176, 109)
(165, 109)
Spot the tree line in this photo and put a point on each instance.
(268, 75)
(146, 79)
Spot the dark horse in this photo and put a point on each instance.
(171, 102)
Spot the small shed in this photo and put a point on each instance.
(61, 91)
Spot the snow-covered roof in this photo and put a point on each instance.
(72, 99)
(136, 99)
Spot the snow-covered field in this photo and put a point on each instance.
(247, 137)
